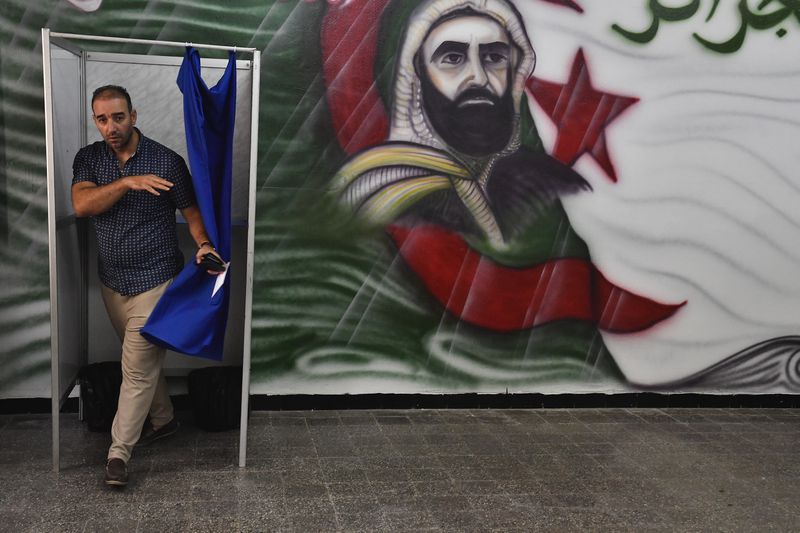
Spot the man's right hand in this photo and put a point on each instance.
(89, 199)
(147, 182)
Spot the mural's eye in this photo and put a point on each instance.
(453, 58)
(495, 58)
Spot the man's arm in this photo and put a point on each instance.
(198, 231)
(89, 199)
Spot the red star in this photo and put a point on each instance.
(581, 113)
(567, 3)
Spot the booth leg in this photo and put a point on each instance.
(80, 405)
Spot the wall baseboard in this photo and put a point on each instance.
(306, 402)
(517, 401)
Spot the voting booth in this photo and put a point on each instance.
(74, 65)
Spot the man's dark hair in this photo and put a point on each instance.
(107, 91)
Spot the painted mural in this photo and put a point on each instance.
(479, 195)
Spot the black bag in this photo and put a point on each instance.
(100, 384)
(215, 393)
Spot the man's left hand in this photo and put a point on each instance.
(207, 249)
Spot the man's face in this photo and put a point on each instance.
(465, 67)
(113, 120)
(465, 53)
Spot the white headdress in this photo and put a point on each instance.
(408, 120)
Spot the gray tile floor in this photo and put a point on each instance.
(435, 470)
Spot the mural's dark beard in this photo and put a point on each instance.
(476, 130)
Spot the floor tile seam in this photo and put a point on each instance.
(336, 513)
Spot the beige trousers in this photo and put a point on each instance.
(144, 389)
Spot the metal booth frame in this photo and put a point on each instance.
(63, 40)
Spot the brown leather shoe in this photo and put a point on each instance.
(150, 435)
(116, 472)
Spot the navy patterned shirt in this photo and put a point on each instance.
(136, 238)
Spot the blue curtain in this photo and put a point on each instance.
(191, 316)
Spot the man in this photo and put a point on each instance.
(131, 185)
(455, 156)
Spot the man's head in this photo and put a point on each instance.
(114, 116)
(465, 66)
(460, 77)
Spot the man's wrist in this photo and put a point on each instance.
(206, 243)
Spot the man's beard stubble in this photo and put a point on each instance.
(475, 130)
